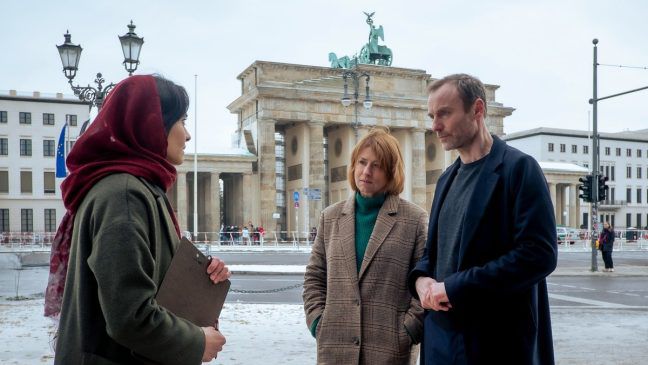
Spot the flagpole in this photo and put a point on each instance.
(195, 180)
(67, 140)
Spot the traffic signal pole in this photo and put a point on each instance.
(595, 168)
(595, 157)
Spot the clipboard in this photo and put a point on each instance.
(188, 292)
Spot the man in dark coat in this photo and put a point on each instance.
(491, 242)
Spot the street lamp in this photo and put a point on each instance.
(346, 100)
(71, 54)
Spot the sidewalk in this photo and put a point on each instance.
(619, 270)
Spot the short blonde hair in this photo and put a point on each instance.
(387, 149)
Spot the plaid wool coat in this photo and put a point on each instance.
(367, 317)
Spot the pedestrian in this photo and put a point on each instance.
(491, 242)
(313, 234)
(245, 233)
(120, 235)
(356, 302)
(606, 241)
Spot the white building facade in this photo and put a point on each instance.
(30, 126)
(623, 159)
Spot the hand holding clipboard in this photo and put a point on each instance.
(188, 291)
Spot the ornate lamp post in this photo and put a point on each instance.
(346, 100)
(71, 54)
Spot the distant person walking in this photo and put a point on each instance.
(606, 241)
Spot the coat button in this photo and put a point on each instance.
(356, 341)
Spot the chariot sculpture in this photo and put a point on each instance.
(370, 53)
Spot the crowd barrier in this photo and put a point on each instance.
(624, 240)
(574, 240)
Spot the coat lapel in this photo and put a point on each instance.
(160, 199)
(346, 232)
(384, 224)
(486, 183)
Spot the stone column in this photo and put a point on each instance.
(267, 165)
(181, 195)
(212, 204)
(552, 192)
(316, 171)
(418, 167)
(573, 213)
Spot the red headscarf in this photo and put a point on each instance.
(127, 136)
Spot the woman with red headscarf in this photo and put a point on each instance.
(117, 239)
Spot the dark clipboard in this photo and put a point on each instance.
(188, 292)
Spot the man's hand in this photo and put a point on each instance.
(432, 294)
(217, 270)
(214, 342)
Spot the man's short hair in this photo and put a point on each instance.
(387, 150)
(469, 88)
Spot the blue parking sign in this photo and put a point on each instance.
(296, 196)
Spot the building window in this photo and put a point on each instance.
(48, 148)
(629, 172)
(607, 171)
(629, 195)
(638, 220)
(4, 147)
(26, 182)
(550, 147)
(574, 148)
(71, 119)
(638, 172)
(3, 116)
(607, 151)
(48, 119)
(25, 147)
(563, 148)
(638, 196)
(4, 182)
(638, 152)
(628, 220)
(49, 185)
(585, 149)
(611, 196)
(4, 220)
(50, 220)
(611, 173)
(628, 152)
(24, 118)
(26, 220)
(618, 151)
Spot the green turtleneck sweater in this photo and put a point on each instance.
(366, 213)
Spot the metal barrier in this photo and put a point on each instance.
(26, 240)
(625, 240)
(290, 240)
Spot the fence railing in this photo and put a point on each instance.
(26, 240)
(265, 239)
(624, 239)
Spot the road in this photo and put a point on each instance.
(564, 291)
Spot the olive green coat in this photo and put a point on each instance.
(122, 244)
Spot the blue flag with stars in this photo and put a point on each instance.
(60, 155)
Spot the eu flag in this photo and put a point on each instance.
(60, 155)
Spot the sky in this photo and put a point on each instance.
(539, 53)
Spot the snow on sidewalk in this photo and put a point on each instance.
(256, 334)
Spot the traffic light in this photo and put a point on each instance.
(586, 188)
(602, 188)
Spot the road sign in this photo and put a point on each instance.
(315, 194)
(296, 196)
(296, 204)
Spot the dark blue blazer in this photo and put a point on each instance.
(507, 249)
